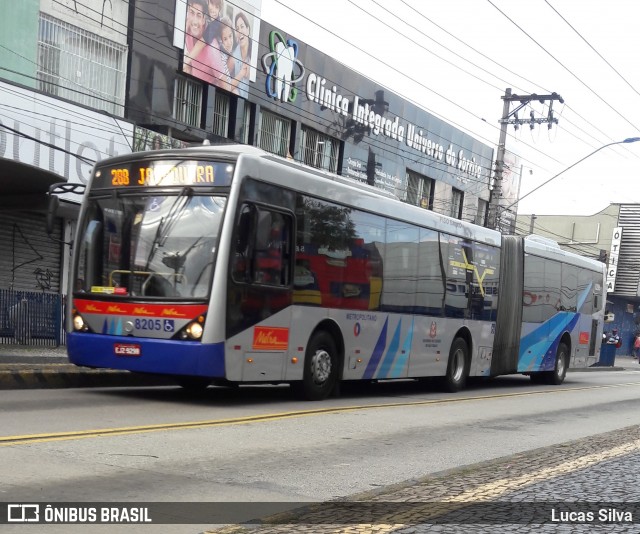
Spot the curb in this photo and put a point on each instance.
(598, 368)
(64, 375)
(51, 373)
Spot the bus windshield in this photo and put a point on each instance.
(149, 245)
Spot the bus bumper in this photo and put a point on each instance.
(143, 355)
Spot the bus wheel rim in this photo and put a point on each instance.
(560, 364)
(321, 366)
(458, 365)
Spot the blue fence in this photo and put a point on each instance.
(30, 318)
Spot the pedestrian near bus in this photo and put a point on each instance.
(636, 346)
(614, 337)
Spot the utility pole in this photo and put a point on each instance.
(511, 117)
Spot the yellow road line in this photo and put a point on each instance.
(120, 431)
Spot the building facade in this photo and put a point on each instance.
(81, 81)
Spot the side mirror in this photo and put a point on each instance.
(52, 210)
(54, 202)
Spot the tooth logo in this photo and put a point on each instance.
(281, 72)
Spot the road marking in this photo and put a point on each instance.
(161, 427)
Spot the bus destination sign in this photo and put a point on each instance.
(163, 173)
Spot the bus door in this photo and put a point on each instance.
(260, 292)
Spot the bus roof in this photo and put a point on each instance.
(548, 248)
(294, 175)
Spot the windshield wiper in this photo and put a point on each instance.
(168, 222)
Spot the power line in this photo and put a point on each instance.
(624, 141)
(592, 48)
(413, 80)
(487, 167)
(565, 67)
(462, 42)
(317, 116)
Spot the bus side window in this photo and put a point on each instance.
(245, 235)
(272, 248)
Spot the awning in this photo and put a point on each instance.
(24, 186)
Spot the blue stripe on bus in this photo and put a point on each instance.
(392, 352)
(583, 296)
(112, 326)
(377, 352)
(538, 349)
(399, 366)
(542, 347)
(160, 356)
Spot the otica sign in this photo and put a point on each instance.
(285, 76)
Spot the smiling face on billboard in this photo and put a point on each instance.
(196, 19)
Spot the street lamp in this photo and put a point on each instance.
(624, 141)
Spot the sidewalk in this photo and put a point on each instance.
(621, 362)
(33, 367)
(569, 487)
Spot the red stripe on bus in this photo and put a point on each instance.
(143, 310)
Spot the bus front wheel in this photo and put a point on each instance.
(458, 366)
(320, 367)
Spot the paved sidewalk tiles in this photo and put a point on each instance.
(520, 493)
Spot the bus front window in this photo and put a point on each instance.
(149, 245)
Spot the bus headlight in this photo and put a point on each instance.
(194, 330)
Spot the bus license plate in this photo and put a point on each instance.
(127, 349)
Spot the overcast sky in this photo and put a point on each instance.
(455, 58)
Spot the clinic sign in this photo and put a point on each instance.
(57, 136)
(286, 76)
(612, 267)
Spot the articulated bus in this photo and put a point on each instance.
(228, 265)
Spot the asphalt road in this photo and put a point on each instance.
(258, 445)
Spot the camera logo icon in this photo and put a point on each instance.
(23, 513)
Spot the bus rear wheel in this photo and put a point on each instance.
(320, 367)
(556, 377)
(458, 366)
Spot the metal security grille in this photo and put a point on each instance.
(481, 214)
(419, 190)
(221, 115)
(30, 302)
(29, 258)
(273, 134)
(319, 150)
(30, 318)
(628, 275)
(246, 125)
(80, 66)
(456, 204)
(187, 105)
